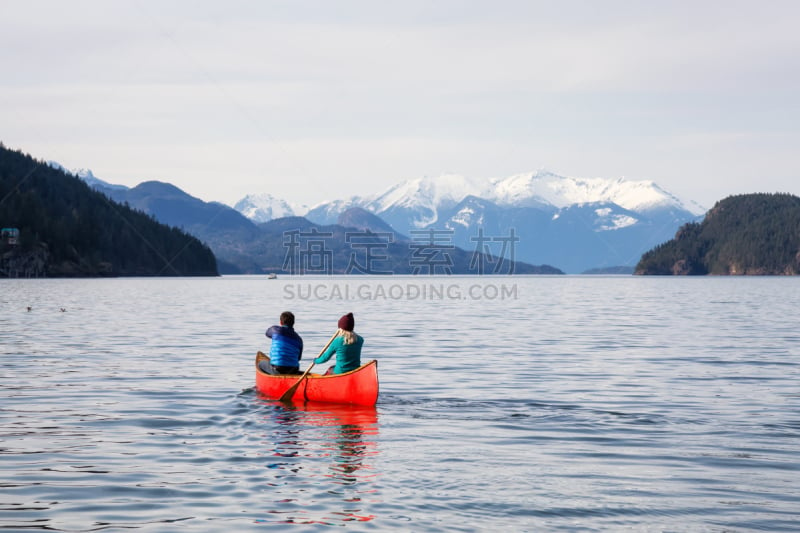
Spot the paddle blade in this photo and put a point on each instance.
(287, 396)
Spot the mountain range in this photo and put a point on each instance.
(539, 218)
(357, 242)
(576, 224)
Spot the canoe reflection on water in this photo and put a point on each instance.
(322, 465)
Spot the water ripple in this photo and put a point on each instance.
(587, 405)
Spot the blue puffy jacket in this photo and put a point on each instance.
(287, 346)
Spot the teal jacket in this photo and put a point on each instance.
(348, 356)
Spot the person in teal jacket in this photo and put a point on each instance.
(347, 347)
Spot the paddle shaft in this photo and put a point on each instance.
(287, 396)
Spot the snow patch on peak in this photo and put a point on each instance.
(430, 192)
(615, 222)
(84, 173)
(263, 207)
(426, 196)
(87, 176)
(466, 217)
(526, 190)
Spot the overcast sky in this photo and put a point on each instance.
(315, 100)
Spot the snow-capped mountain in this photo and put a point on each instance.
(427, 196)
(422, 201)
(571, 223)
(263, 207)
(543, 187)
(88, 176)
(328, 212)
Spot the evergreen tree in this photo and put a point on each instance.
(77, 231)
(744, 234)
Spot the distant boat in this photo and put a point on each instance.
(272, 275)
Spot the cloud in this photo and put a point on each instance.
(381, 91)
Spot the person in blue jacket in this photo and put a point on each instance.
(347, 347)
(286, 348)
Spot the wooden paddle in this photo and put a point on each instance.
(287, 396)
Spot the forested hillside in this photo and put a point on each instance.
(751, 234)
(67, 229)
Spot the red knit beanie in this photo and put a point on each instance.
(347, 322)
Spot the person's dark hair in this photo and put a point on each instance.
(287, 318)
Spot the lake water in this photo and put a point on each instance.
(566, 403)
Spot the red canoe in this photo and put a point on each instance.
(358, 387)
